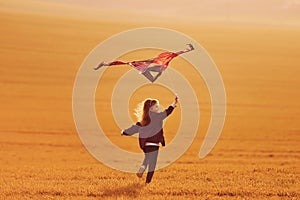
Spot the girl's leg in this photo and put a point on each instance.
(100, 65)
(153, 152)
(143, 166)
(149, 76)
(146, 161)
(157, 75)
(109, 64)
(155, 68)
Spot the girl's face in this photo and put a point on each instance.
(155, 108)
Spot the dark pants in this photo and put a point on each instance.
(150, 160)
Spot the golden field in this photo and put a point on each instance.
(42, 157)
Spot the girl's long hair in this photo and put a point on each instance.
(142, 111)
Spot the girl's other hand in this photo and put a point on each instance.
(190, 47)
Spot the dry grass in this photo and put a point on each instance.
(257, 156)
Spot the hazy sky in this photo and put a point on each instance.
(275, 12)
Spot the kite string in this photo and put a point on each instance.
(171, 82)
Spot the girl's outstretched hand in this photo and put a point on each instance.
(175, 101)
(190, 47)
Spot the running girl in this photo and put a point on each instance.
(150, 132)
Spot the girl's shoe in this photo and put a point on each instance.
(100, 65)
(141, 171)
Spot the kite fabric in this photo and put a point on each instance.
(159, 63)
(162, 59)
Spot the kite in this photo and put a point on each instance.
(157, 64)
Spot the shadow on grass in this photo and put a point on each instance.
(131, 190)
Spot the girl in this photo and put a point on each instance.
(150, 132)
(160, 62)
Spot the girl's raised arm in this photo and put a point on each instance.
(170, 109)
(189, 48)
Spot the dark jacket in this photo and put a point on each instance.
(153, 132)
